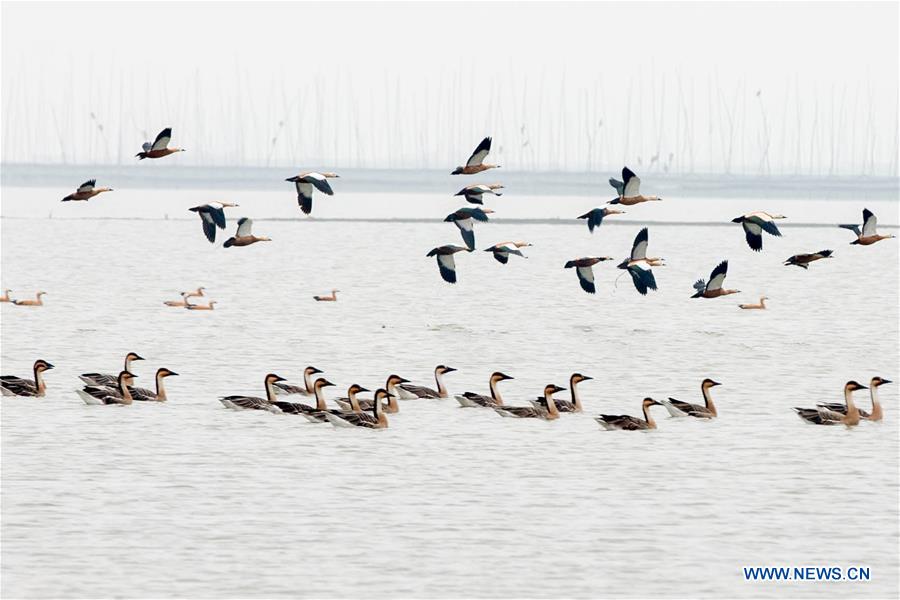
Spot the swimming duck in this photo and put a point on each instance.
(639, 266)
(105, 395)
(5, 297)
(629, 189)
(106, 378)
(714, 288)
(200, 292)
(86, 191)
(11, 385)
(393, 392)
(475, 193)
(627, 422)
(465, 219)
(36, 302)
(823, 416)
(445, 260)
(178, 303)
(707, 410)
(331, 298)
(584, 270)
(408, 391)
(566, 406)
(305, 182)
(877, 413)
(502, 250)
(595, 216)
(868, 235)
(145, 395)
(476, 163)
(282, 388)
(377, 420)
(212, 215)
(244, 235)
(760, 306)
(209, 306)
(471, 399)
(321, 416)
(531, 412)
(159, 148)
(253, 402)
(298, 408)
(754, 224)
(803, 260)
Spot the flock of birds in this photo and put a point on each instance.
(353, 411)
(110, 389)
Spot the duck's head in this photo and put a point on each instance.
(356, 389)
(394, 380)
(708, 383)
(877, 381)
(443, 369)
(623, 264)
(127, 376)
(614, 201)
(578, 378)
(273, 378)
(498, 376)
(164, 372)
(551, 389)
(311, 370)
(133, 356)
(612, 211)
(648, 402)
(332, 175)
(522, 244)
(39, 294)
(852, 386)
(321, 383)
(738, 219)
(457, 171)
(381, 394)
(42, 365)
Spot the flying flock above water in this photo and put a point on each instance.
(118, 389)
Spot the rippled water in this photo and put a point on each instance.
(190, 499)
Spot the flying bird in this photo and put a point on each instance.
(754, 224)
(474, 193)
(159, 148)
(86, 191)
(445, 261)
(465, 219)
(629, 189)
(476, 163)
(639, 266)
(244, 236)
(714, 288)
(868, 235)
(595, 217)
(803, 260)
(584, 269)
(212, 215)
(305, 182)
(504, 249)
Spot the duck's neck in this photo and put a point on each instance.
(270, 391)
(126, 393)
(576, 399)
(393, 404)
(127, 364)
(39, 382)
(160, 388)
(354, 402)
(762, 302)
(877, 413)
(647, 417)
(551, 405)
(852, 410)
(379, 414)
(495, 394)
(307, 381)
(439, 380)
(320, 399)
(707, 397)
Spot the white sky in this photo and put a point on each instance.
(377, 84)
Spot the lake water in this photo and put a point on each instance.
(190, 499)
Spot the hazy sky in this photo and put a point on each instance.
(570, 85)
